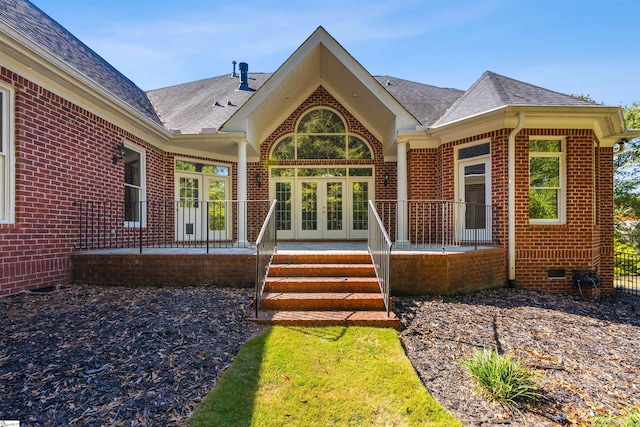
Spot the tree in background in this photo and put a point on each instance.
(627, 186)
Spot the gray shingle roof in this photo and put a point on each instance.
(190, 107)
(35, 25)
(427, 103)
(493, 91)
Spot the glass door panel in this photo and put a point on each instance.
(308, 219)
(333, 209)
(219, 212)
(283, 192)
(359, 209)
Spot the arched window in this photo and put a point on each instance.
(321, 134)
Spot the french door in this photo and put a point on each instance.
(319, 208)
(322, 209)
(203, 210)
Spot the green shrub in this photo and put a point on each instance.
(502, 378)
(629, 419)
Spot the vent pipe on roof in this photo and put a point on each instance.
(234, 74)
(244, 76)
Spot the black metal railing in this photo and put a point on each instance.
(109, 224)
(266, 246)
(626, 273)
(431, 224)
(379, 245)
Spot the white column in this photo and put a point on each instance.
(402, 218)
(242, 193)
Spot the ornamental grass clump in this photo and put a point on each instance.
(629, 419)
(502, 378)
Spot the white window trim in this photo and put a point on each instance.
(143, 186)
(562, 196)
(7, 150)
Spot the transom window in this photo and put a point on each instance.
(546, 180)
(182, 165)
(321, 134)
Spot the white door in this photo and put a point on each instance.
(474, 193)
(321, 209)
(202, 211)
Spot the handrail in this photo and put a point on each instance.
(379, 245)
(266, 246)
(441, 224)
(205, 224)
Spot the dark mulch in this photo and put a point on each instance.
(586, 353)
(116, 356)
(146, 356)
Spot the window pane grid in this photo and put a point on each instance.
(283, 208)
(545, 179)
(360, 194)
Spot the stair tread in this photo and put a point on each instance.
(332, 265)
(339, 315)
(322, 279)
(321, 295)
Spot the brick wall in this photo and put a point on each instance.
(235, 270)
(585, 241)
(63, 153)
(322, 98)
(415, 273)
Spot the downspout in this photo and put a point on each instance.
(511, 209)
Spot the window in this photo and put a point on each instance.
(546, 181)
(7, 172)
(321, 134)
(134, 187)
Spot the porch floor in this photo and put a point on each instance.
(284, 247)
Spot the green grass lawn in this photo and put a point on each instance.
(291, 376)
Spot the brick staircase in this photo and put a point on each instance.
(323, 289)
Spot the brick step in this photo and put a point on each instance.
(322, 270)
(322, 258)
(377, 319)
(334, 301)
(322, 284)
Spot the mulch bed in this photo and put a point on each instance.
(116, 356)
(147, 355)
(585, 352)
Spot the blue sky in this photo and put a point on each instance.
(571, 46)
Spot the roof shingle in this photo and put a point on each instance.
(35, 25)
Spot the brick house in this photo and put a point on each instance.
(321, 135)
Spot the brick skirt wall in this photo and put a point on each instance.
(234, 270)
(416, 273)
(412, 273)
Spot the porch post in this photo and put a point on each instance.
(402, 210)
(242, 193)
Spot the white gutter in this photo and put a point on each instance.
(511, 209)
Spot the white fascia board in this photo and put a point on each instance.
(37, 65)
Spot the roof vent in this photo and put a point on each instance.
(244, 76)
(234, 74)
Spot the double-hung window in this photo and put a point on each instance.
(7, 171)
(134, 187)
(547, 180)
